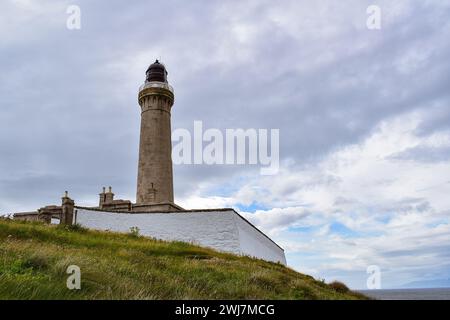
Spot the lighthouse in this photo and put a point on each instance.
(155, 176)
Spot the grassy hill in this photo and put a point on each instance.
(34, 259)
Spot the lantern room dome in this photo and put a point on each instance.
(156, 72)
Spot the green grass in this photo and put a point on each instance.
(34, 259)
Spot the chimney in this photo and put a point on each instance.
(67, 210)
(102, 198)
(109, 196)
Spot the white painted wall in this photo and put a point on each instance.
(254, 243)
(220, 230)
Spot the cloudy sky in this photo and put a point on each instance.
(364, 118)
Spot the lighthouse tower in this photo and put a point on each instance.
(155, 177)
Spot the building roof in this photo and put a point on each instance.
(30, 213)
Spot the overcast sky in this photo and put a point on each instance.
(364, 118)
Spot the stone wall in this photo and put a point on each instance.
(26, 216)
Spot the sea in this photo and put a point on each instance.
(409, 294)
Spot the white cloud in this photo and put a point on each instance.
(277, 219)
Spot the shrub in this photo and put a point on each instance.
(134, 232)
(77, 227)
(339, 287)
(36, 262)
(72, 227)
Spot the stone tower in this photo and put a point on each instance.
(155, 177)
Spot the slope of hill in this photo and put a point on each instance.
(34, 259)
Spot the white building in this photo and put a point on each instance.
(220, 229)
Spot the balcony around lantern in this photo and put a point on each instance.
(156, 84)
